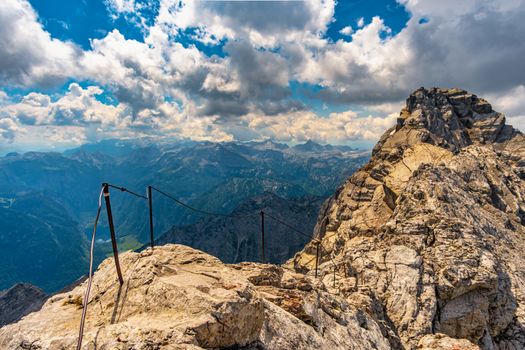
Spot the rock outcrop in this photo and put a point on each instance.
(176, 297)
(429, 236)
(18, 301)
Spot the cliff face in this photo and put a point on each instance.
(429, 235)
(420, 249)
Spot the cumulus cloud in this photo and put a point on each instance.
(473, 44)
(8, 129)
(165, 85)
(117, 7)
(3, 97)
(337, 128)
(348, 30)
(78, 106)
(264, 23)
(28, 54)
(79, 112)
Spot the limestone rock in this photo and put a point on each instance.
(180, 298)
(443, 342)
(429, 235)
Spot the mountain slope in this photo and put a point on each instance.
(216, 177)
(422, 248)
(238, 238)
(41, 244)
(429, 234)
(18, 301)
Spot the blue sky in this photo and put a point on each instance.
(333, 71)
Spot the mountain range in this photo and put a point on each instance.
(48, 200)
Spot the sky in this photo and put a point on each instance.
(79, 71)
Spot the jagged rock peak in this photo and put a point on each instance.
(429, 235)
(448, 118)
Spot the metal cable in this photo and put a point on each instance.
(178, 201)
(123, 189)
(90, 279)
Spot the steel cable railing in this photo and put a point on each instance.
(187, 206)
(105, 192)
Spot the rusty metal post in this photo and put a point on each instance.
(317, 257)
(262, 237)
(150, 202)
(112, 232)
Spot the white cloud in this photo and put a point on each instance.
(263, 23)
(3, 97)
(475, 45)
(337, 128)
(79, 116)
(28, 54)
(117, 7)
(78, 106)
(512, 103)
(348, 30)
(166, 88)
(8, 129)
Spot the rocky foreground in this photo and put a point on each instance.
(423, 248)
(176, 297)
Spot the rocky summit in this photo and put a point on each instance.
(422, 248)
(428, 237)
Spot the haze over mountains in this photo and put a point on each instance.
(48, 200)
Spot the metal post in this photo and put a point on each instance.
(334, 276)
(112, 232)
(317, 257)
(262, 237)
(150, 200)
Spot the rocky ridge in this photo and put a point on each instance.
(420, 249)
(18, 301)
(429, 235)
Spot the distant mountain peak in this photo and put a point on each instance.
(310, 146)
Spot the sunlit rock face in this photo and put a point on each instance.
(429, 235)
